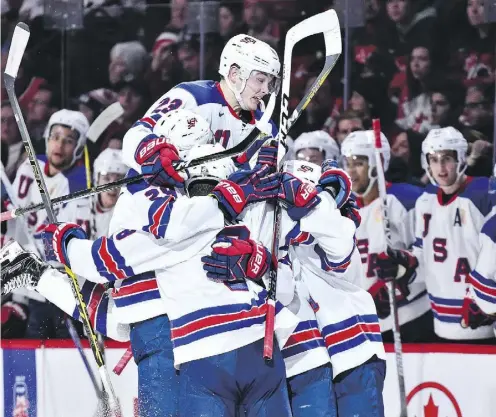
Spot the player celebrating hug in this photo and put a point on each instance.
(249, 70)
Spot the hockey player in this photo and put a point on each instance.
(449, 218)
(315, 147)
(345, 313)
(108, 167)
(137, 300)
(172, 216)
(249, 70)
(64, 173)
(413, 305)
(482, 281)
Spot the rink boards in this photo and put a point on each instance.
(49, 380)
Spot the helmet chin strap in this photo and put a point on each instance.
(237, 93)
(372, 180)
(367, 190)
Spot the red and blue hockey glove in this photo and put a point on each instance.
(57, 236)
(297, 197)
(336, 181)
(235, 259)
(156, 156)
(245, 187)
(267, 154)
(350, 209)
(473, 316)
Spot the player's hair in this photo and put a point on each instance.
(348, 115)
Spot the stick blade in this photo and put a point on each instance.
(104, 119)
(17, 47)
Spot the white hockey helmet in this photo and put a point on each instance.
(303, 170)
(74, 120)
(362, 143)
(203, 178)
(320, 140)
(249, 54)
(184, 129)
(109, 161)
(445, 139)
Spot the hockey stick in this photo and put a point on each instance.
(326, 23)
(104, 120)
(243, 146)
(381, 180)
(77, 342)
(19, 42)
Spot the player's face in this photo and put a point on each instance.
(443, 167)
(61, 145)
(357, 167)
(311, 155)
(109, 198)
(257, 86)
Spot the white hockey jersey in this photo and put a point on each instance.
(204, 98)
(371, 241)
(346, 314)
(483, 276)
(327, 270)
(69, 181)
(100, 220)
(207, 318)
(447, 244)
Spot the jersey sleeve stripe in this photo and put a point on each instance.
(484, 288)
(328, 265)
(159, 217)
(108, 260)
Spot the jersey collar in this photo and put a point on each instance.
(460, 190)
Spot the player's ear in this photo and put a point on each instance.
(373, 172)
(233, 74)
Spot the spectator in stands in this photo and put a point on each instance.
(404, 165)
(446, 100)
(165, 70)
(11, 153)
(127, 59)
(257, 16)
(414, 107)
(91, 104)
(472, 49)
(179, 11)
(134, 97)
(478, 114)
(39, 109)
(414, 21)
(188, 55)
(230, 20)
(480, 158)
(349, 121)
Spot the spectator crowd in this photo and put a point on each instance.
(415, 65)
